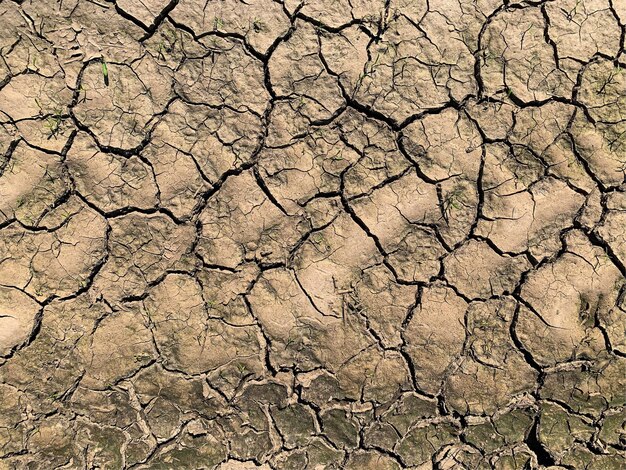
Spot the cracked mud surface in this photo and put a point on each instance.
(336, 234)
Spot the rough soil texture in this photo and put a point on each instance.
(330, 234)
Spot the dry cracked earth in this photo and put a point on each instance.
(334, 234)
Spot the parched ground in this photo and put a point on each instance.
(327, 234)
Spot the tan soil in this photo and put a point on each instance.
(298, 234)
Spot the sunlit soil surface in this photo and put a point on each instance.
(336, 234)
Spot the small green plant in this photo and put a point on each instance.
(53, 123)
(368, 71)
(38, 103)
(105, 72)
(259, 25)
(489, 56)
(359, 80)
(161, 50)
(318, 133)
(337, 156)
(168, 43)
(242, 369)
(453, 200)
(217, 23)
(300, 104)
(320, 242)
(83, 90)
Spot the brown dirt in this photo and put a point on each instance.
(330, 234)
